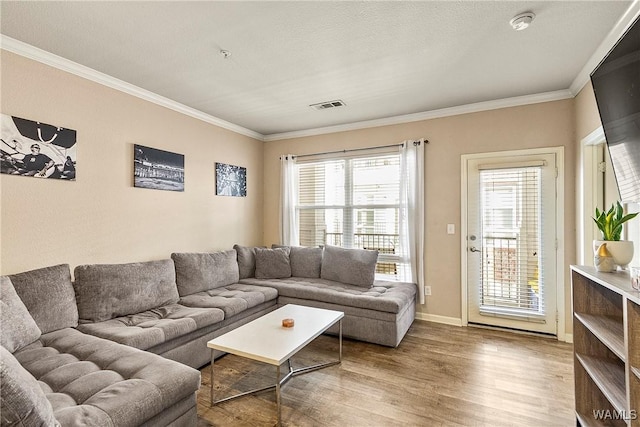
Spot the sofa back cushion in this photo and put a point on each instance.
(305, 261)
(273, 263)
(48, 295)
(105, 291)
(197, 272)
(246, 261)
(23, 403)
(17, 326)
(351, 266)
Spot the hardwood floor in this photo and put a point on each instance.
(440, 375)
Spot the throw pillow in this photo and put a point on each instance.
(18, 327)
(23, 403)
(201, 272)
(246, 261)
(272, 263)
(305, 261)
(351, 266)
(48, 295)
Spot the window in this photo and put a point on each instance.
(353, 203)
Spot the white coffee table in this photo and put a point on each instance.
(266, 340)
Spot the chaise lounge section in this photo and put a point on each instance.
(53, 374)
(333, 278)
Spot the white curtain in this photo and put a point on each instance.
(412, 210)
(288, 217)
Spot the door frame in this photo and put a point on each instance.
(589, 195)
(560, 205)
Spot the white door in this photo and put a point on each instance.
(511, 242)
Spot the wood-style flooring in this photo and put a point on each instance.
(440, 375)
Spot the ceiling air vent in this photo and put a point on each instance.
(328, 104)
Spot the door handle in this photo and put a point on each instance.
(474, 249)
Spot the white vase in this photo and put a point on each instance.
(621, 251)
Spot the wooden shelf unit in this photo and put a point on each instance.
(606, 337)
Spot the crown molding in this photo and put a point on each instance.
(427, 115)
(603, 49)
(28, 51)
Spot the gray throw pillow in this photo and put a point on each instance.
(305, 261)
(17, 326)
(246, 261)
(197, 272)
(351, 266)
(105, 291)
(23, 403)
(272, 263)
(48, 295)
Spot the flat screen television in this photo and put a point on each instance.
(616, 83)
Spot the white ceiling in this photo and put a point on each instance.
(383, 59)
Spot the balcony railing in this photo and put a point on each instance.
(384, 243)
(508, 280)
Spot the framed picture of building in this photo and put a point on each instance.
(231, 180)
(157, 169)
(36, 149)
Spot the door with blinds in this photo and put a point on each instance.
(511, 242)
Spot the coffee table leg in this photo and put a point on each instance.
(211, 379)
(278, 394)
(340, 335)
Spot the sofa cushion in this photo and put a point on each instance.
(246, 261)
(232, 299)
(154, 327)
(273, 263)
(48, 295)
(105, 291)
(196, 272)
(352, 266)
(17, 326)
(95, 382)
(305, 261)
(23, 401)
(383, 296)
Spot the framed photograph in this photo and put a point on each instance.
(231, 180)
(157, 169)
(36, 149)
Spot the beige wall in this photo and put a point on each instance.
(101, 217)
(549, 124)
(587, 116)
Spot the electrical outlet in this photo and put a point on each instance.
(451, 229)
(427, 290)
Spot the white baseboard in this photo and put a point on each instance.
(454, 321)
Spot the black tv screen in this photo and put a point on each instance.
(616, 83)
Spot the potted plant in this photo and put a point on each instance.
(610, 224)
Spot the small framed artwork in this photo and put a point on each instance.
(231, 180)
(157, 169)
(36, 149)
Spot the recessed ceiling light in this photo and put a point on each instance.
(522, 21)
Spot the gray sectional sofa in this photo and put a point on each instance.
(102, 350)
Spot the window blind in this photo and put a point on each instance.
(512, 282)
(353, 203)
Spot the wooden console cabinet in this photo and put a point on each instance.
(606, 337)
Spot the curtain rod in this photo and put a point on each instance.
(417, 142)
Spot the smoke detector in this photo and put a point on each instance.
(522, 21)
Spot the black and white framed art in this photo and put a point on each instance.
(231, 180)
(157, 169)
(36, 149)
